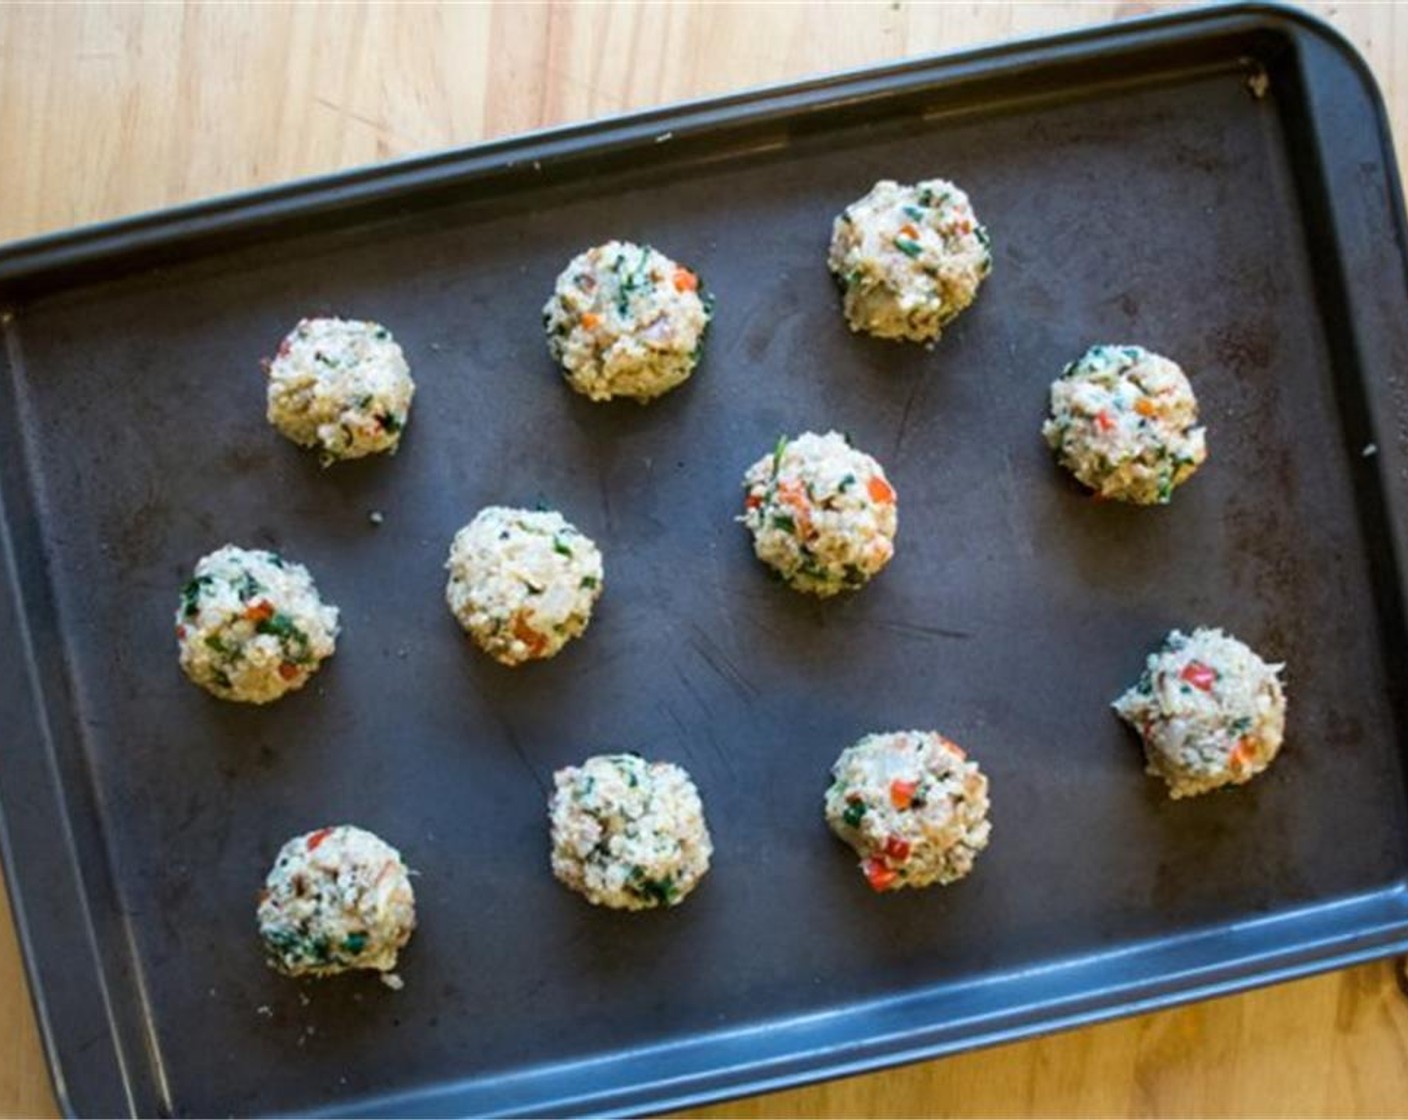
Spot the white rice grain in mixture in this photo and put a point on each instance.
(627, 833)
(522, 582)
(912, 806)
(335, 900)
(822, 514)
(1210, 711)
(626, 321)
(251, 627)
(909, 259)
(1124, 421)
(341, 386)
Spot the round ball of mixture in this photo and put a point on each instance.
(522, 582)
(1210, 711)
(627, 833)
(822, 514)
(626, 321)
(335, 900)
(342, 386)
(912, 806)
(1124, 421)
(908, 259)
(251, 626)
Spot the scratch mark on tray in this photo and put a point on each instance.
(675, 719)
(706, 722)
(718, 750)
(191, 813)
(754, 620)
(721, 599)
(605, 492)
(719, 662)
(916, 630)
(694, 692)
(522, 755)
(904, 416)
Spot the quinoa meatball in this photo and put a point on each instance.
(335, 900)
(1124, 421)
(626, 321)
(341, 386)
(822, 514)
(909, 259)
(627, 833)
(1210, 711)
(251, 627)
(912, 806)
(522, 582)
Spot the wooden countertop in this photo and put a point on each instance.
(106, 109)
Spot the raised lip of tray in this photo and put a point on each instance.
(767, 1055)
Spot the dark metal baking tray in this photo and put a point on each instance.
(1137, 190)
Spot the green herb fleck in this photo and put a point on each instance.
(636, 281)
(190, 595)
(561, 547)
(354, 943)
(855, 810)
(915, 212)
(389, 422)
(777, 454)
(278, 624)
(662, 891)
(908, 247)
(282, 941)
(588, 582)
(784, 522)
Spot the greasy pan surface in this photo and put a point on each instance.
(1016, 609)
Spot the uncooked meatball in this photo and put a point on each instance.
(627, 833)
(913, 807)
(522, 582)
(1210, 711)
(822, 514)
(251, 626)
(626, 321)
(1125, 423)
(909, 259)
(335, 900)
(342, 386)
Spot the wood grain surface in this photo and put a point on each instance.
(107, 109)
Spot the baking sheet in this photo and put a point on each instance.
(1155, 201)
